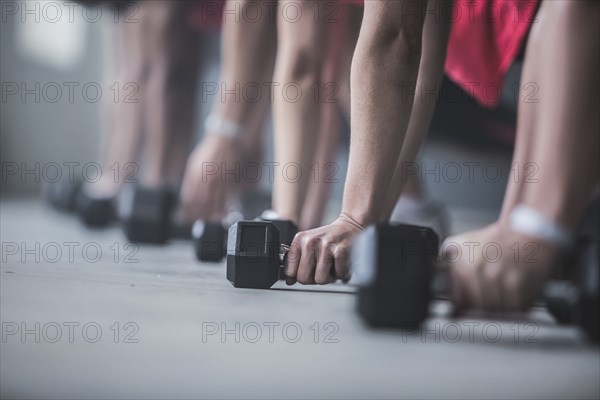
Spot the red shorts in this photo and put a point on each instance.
(486, 37)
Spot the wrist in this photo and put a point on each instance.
(529, 221)
(349, 219)
(361, 213)
(222, 127)
(362, 201)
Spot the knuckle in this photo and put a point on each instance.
(298, 239)
(308, 242)
(492, 273)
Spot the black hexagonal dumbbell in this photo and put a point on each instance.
(210, 238)
(255, 253)
(62, 194)
(95, 212)
(148, 216)
(70, 195)
(397, 276)
(394, 267)
(287, 229)
(394, 257)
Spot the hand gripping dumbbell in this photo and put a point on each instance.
(210, 238)
(397, 282)
(255, 252)
(393, 267)
(148, 216)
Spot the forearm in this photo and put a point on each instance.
(248, 57)
(383, 78)
(431, 69)
(565, 146)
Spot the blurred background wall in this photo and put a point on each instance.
(35, 127)
(38, 56)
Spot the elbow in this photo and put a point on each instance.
(399, 44)
(301, 65)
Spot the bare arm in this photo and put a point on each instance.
(384, 73)
(383, 78)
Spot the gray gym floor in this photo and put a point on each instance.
(161, 321)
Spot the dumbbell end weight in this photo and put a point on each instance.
(210, 238)
(253, 259)
(394, 268)
(209, 241)
(287, 229)
(180, 230)
(95, 212)
(62, 195)
(148, 213)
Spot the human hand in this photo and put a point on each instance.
(497, 270)
(322, 255)
(204, 191)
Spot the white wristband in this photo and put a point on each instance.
(269, 215)
(531, 222)
(220, 126)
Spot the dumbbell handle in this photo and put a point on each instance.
(179, 230)
(283, 250)
(440, 284)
